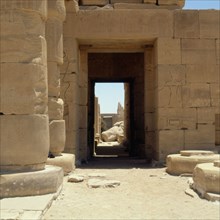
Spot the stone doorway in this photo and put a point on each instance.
(129, 69)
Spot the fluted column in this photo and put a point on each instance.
(54, 35)
(24, 133)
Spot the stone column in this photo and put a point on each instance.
(24, 125)
(24, 131)
(54, 35)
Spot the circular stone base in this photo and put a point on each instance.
(178, 164)
(66, 161)
(31, 183)
(206, 179)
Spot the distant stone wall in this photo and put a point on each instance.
(181, 88)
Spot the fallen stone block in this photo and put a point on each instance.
(97, 183)
(75, 178)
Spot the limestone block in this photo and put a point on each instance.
(83, 76)
(23, 88)
(134, 6)
(24, 142)
(176, 118)
(209, 23)
(150, 25)
(215, 95)
(54, 36)
(83, 96)
(202, 138)
(83, 145)
(72, 6)
(21, 23)
(149, 101)
(169, 96)
(196, 95)
(169, 142)
(71, 142)
(83, 115)
(171, 75)
(186, 24)
(203, 73)
(42, 182)
(125, 1)
(168, 51)
(71, 116)
(218, 51)
(53, 79)
(57, 136)
(149, 121)
(167, 2)
(217, 121)
(33, 49)
(217, 137)
(150, 1)
(39, 6)
(206, 178)
(55, 108)
(191, 51)
(56, 8)
(181, 164)
(69, 92)
(66, 161)
(206, 115)
(95, 2)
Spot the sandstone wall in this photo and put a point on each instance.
(181, 77)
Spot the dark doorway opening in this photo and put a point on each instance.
(127, 68)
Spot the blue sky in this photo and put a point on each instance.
(111, 93)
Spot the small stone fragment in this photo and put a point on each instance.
(189, 192)
(97, 175)
(74, 178)
(97, 183)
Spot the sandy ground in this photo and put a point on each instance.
(144, 193)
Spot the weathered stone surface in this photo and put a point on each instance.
(186, 24)
(75, 178)
(191, 51)
(168, 51)
(53, 79)
(215, 94)
(152, 24)
(57, 136)
(217, 137)
(39, 6)
(56, 8)
(23, 88)
(206, 178)
(54, 36)
(218, 51)
(206, 115)
(97, 175)
(196, 95)
(95, 2)
(125, 1)
(20, 145)
(202, 73)
(177, 164)
(66, 161)
(169, 96)
(31, 183)
(176, 118)
(169, 142)
(171, 75)
(83, 114)
(97, 183)
(202, 138)
(167, 2)
(150, 1)
(55, 108)
(188, 153)
(113, 133)
(209, 23)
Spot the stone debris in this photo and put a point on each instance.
(74, 178)
(190, 193)
(97, 183)
(97, 175)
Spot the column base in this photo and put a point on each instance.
(31, 183)
(186, 161)
(66, 161)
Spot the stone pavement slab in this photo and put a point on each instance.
(26, 208)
